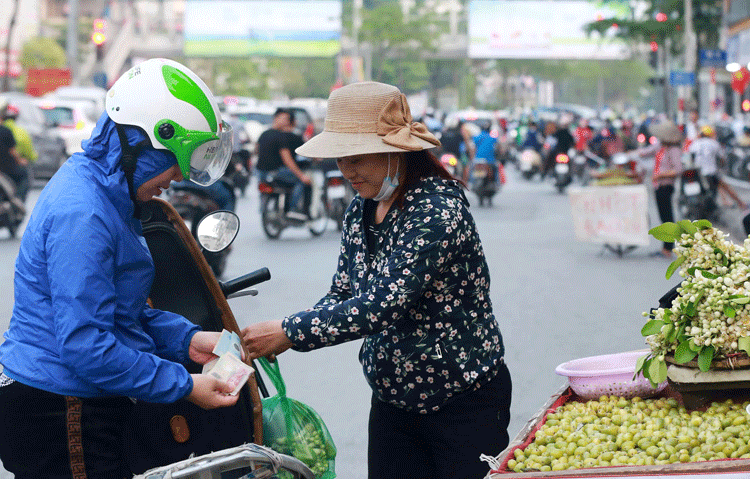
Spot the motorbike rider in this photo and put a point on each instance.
(532, 139)
(563, 142)
(275, 159)
(82, 340)
(484, 148)
(583, 135)
(12, 164)
(707, 153)
(24, 143)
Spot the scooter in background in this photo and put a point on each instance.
(530, 163)
(274, 199)
(12, 209)
(694, 200)
(193, 202)
(563, 176)
(484, 180)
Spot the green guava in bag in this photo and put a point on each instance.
(293, 428)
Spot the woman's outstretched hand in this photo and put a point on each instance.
(264, 339)
(210, 393)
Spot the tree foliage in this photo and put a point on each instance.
(42, 52)
(657, 28)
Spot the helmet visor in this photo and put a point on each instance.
(209, 160)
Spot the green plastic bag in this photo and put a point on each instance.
(293, 428)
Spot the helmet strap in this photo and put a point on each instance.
(128, 160)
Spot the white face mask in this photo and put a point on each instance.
(389, 185)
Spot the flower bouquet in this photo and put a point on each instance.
(708, 323)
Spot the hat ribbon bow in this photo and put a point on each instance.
(396, 127)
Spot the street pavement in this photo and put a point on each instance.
(555, 298)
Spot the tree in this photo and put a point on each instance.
(399, 44)
(664, 19)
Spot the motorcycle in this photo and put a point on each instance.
(12, 209)
(451, 164)
(338, 196)
(484, 180)
(163, 439)
(193, 202)
(694, 201)
(530, 163)
(562, 172)
(274, 196)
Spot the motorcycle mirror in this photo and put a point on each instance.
(218, 230)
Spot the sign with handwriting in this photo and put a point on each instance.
(610, 214)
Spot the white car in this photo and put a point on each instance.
(94, 97)
(70, 120)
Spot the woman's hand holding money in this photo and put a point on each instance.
(210, 393)
(264, 339)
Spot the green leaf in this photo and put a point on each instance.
(674, 266)
(639, 365)
(652, 327)
(705, 357)
(743, 344)
(657, 371)
(667, 232)
(684, 353)
(669, 331)
(645, 367)
(703, 224)
(690, 309)
(688, 227)
(740, 300)
(708, 275)
(695, 347)
(729, 311)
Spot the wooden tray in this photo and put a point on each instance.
(739, 361)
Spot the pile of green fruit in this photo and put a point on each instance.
(307, 445)
(614, 431)
(710, 318)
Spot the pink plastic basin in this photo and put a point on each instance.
(608, 375)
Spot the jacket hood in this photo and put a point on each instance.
(103, 147)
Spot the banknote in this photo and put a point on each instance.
(229, 342)
(230, 369)
(209, 365)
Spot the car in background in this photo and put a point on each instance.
(93, 97)
(48, 144)
(70, 120)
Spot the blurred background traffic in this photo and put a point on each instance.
(509, 63)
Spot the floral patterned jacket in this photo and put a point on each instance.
(422, 304)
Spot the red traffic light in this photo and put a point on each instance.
(654, 46)
(661, 17)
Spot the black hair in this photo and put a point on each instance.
(282, 111)
(418, 165)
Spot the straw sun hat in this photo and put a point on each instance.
(368, 117)
(667, 132)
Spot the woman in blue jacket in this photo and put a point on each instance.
(413, 282)
(82, 340)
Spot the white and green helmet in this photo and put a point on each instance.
(176, 110)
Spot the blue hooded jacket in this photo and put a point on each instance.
(80, 324)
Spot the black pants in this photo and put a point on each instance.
(45, 435)
(664, 195)
(20, 176)
(446, 444)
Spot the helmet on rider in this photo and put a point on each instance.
(176, 111)
(707, 131)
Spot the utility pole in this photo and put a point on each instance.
(6, 78)
(71, 44)
(690, 49)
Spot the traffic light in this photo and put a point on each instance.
(98, 37)
(653, 59)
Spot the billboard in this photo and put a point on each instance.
(282, 28)
(543, 30)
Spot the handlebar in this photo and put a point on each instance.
(250, 279)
